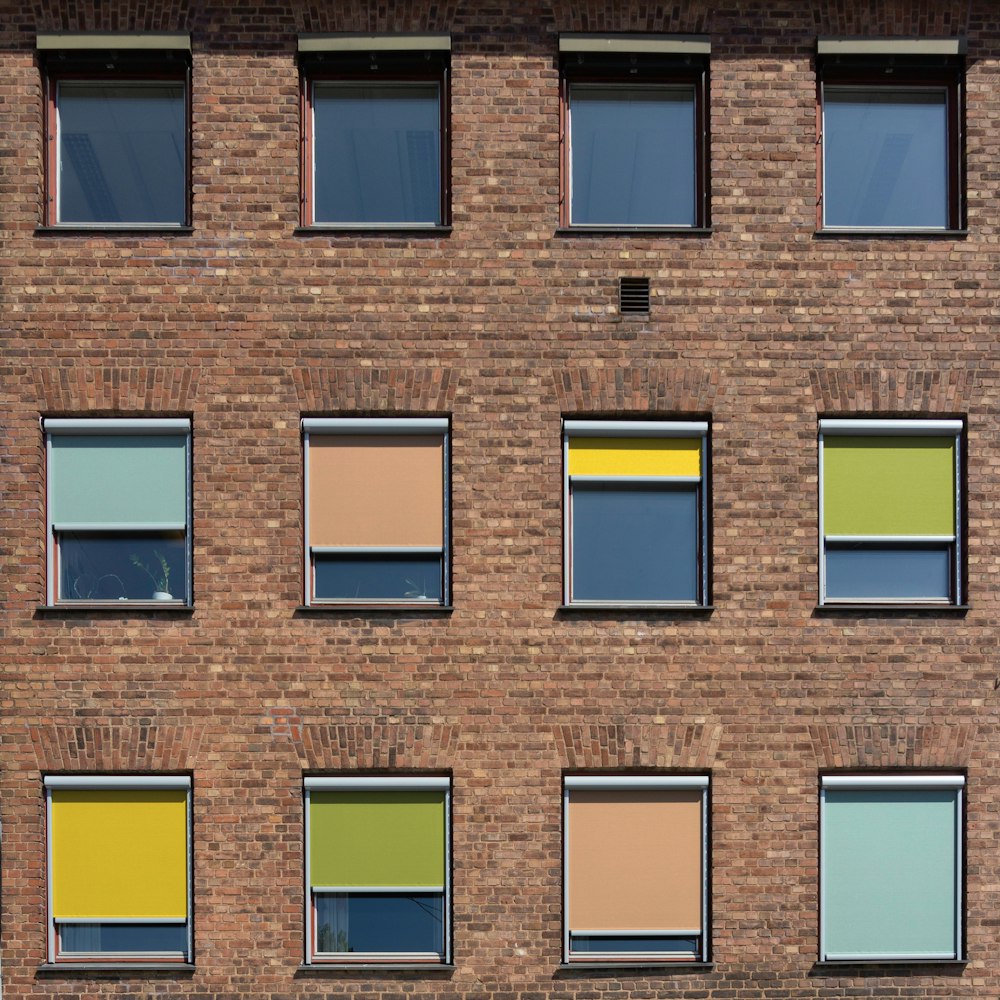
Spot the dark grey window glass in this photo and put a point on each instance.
(633, 159)
(143, 939)
(625, 944)
(634, 543)
(122, 153)
(885, 157)
(377, 153)
(890, 572)
(380, 923)
(395, 577)
(96, 566)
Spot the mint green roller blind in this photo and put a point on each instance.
(118, 479)
(888, 485)
(889, 868)
(392, 838)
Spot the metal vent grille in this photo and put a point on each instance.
(633, 295)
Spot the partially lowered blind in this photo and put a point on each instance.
(641, 456)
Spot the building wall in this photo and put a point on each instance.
(506, 326)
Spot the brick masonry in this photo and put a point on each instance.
(246, 325)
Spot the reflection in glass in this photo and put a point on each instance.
(377, 153)
(885, 157)
(122, 152)
(100, 566)
(625, 943)
(145, 939)
(396, 577)
(380, 923)
(633, 155)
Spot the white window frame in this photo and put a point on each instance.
(378, 784)
(379, 427)
(620, 783)
(98, 783)
(637, 428)
(894, 428)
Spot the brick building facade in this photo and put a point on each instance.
(506, 322)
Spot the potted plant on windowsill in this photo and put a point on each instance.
(160, 576)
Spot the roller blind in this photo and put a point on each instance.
(890, 875)
(888, 485)
(378, 490)
(635, 860)
(118, 480)
(119, 855)
(373, 839)
(644, 456)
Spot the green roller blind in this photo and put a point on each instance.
(888, 485)
(392, 838)
(890, 883)
(118, 479)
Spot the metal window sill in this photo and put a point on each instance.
(76, 967)
(891, 234)
(99, 229)
(634, 966)
(118, 608)
(861, 607)
(365, 609)
(839, 963)
(399, 230)
(669, 609)
(633, 231)
(383, 967)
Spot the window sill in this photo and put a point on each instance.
(122, 608)
(634, 966)
(47, 968)
(880, 609)
(891, 234)
(321, 968)
(634, 231)
(381, 609)
(863, 963)
(98, 229)
(378, 230)
(669, 609)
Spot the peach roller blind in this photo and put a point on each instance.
(635, 860)
(376, 490)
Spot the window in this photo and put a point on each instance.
(891, 868)
(375, 151)
(635, 880)
(377, 511)
(890, 512)
(378, 879)
(634, 131)
(117, 130)
(119, 511)
(119, 868)
(636, 512)
(891, 142)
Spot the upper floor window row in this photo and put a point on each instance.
(634, 134)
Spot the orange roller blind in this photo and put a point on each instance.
(376, 489)
(635, 860)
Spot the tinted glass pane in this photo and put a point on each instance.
(121, 152)
(625, 944)
(634, 543)
(378, 578)
(105, 567)
(141, 938)
(885, 157)
(890, 572)
(633, 155)
(377, 151)
(380, 922)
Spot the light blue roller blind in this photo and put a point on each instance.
(889, 868)
(118, 480)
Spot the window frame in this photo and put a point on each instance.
(659, 429)
(382, 783)
(116, 427)
(894, 782)
(612, 783)
(903, 428)
(113, 68)
(887, 72)
(98, 783)
(377, 427)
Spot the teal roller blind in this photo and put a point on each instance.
(118, 479)
(889, 868)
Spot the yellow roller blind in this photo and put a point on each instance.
(641, 456)
(119, 854)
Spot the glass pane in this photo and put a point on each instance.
(378, 578)
(633, 155)
(96, 566)
(625, 943)
(377, 151)
(634, 543)
(885, 157)
(379, 923)
(122, 152)
(145, 939)
(892, 572)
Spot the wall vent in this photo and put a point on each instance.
(633, 296)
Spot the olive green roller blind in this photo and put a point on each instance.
(118, 480)
(888, 485)
(375, 838)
